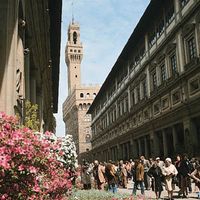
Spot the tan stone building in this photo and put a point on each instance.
(30, 51)
(80, 97)
(150, 101)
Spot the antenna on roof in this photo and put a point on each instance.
(72, 12)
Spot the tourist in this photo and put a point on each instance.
(86, 172)
(111, 177)
(123, 174)
(184, 170)
(155, 173)
(160, 162)
(196, 176)
(138, 177)
(98, 173)
(146, 165)
(169, 171)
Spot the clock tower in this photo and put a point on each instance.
(73, 56)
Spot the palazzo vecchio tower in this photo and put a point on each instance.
(80, 97)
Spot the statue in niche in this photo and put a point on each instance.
(18, 80)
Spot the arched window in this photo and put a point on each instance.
(81, 95)
(74, 37)
(88, 95)
(88, 138)
(84, 106)
(80, 107)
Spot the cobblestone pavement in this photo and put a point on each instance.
(151, 195)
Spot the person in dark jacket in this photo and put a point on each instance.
(184, 170)
(155, 173)
(138, 177)
(111, 177)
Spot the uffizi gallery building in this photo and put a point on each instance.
(149, 103)
(30, 35)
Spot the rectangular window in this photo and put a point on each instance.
(152, 38)
(173, 64)
(156, 108)
(154, 80)
(165, 103)
(169, 16)
(133, 98)
(146, 114)
(126, 104)
(144, 88)
(176, 97)
(194, 86)
(192, 52)
(163, 73)
(138, 93)
(160, 27)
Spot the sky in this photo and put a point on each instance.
(105, 27)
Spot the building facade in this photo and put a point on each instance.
(149, 103)
(30, 51)
(80, 97)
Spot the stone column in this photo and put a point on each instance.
(177, 10)
(27, 75)
(156, 149)
(134, 149)
(33, 90)
(8, 50)
(190, 136)
(119, 152)
(146, 45)
(140, 147)
(175, 141)
(129, 99)
(148, 81)
(180, 52)
(197, 34)
(164, 143)
(146, 147)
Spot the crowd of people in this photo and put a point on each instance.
(145, 174)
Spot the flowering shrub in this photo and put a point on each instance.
(30, 163)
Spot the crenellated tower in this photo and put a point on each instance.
(73, 56)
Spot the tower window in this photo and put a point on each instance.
(81, 95)
(79, 51)
(75, 37)
(76, 76)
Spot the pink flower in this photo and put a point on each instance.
(7, 126)
(32, 170)
(36, 188)
(4, 196)
(61, 153)
(4, 159)
(21, 168)
(2, 150)
(10, 142)
(17, 135)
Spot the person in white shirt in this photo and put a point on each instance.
(169, 171)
